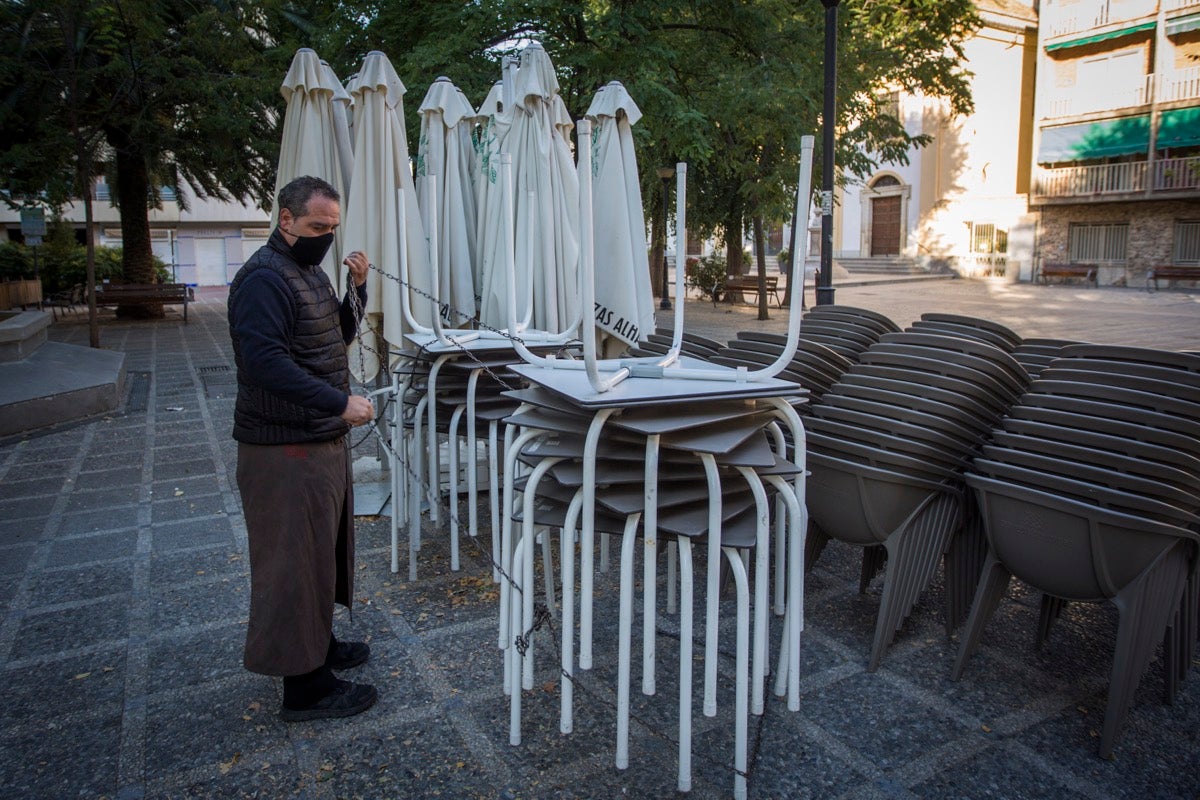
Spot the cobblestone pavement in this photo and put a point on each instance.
(124, 579)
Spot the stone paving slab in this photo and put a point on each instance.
(124, 583)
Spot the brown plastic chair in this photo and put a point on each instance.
(860, 316)
(1154, 469)
(1078, 551)
(913, 519)
(976, 323)
(1046, 424)
(995, 404)
(1005, 343)
(1073, 423)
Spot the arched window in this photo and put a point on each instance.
(884, 181)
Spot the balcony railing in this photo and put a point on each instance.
(1180, 84)
(1165, 87)
(1169, 175)
(1179, 5)
(1177, 174)
(1076, 101)
(1104, 179)
(1062, 21)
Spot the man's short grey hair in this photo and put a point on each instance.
(296, 194)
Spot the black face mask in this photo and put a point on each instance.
(310, 250)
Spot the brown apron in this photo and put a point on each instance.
(298, 502)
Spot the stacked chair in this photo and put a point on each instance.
(831, 340)
(450, 396)
(1089, 491)
(659, 342)
(705, 474)
(1037, 354)
(889, 443)
(969, 327)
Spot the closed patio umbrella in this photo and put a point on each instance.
(494, 122)
(444, 159)
(624, 298)
(316, 137)
(545, 201)
(372, 220)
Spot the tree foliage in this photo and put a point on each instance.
(180, 90)
(728, 88)
(150, 93)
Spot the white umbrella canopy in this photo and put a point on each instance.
(624, 297)
(444, 164)
(545, 201)
(316, 136)
(494, 123)
(372, 220)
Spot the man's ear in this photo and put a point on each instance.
(286, 220)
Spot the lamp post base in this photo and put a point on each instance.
(665, 305)
(825, 295)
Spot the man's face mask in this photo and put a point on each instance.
(310, 250)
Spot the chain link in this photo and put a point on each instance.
(474, 318)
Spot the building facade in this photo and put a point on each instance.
(203, 245)
(1117, 176)
(962, 201)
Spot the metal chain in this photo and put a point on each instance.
(442, 306)
(474, 318)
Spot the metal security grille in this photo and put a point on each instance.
(1103, 242)
(1187, 241)
(138, 398)
(989, 248)
(219, 380)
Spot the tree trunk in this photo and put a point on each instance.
(658, 239)
(733, 255)
(789, 269)
(133, 193)
(760, 256)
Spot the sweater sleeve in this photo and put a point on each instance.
(263, 317)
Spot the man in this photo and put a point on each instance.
(293, 413)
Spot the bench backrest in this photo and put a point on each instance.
(163, 289)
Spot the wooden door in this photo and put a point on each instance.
(885, 226)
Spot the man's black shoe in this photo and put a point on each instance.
(346, 655)
(346, 700)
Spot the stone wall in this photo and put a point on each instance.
(1151, 234)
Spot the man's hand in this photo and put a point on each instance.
(359, 264)
(359, 410)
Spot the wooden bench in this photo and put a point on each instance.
(1055, 269)
(1171, 273)
(749, 283)
(145, 294)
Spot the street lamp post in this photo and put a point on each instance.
(666, 173)
(825, 278)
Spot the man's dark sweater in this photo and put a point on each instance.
(264, 318)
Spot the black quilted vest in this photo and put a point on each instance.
(261, 417)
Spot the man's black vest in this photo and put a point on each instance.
(261, 417)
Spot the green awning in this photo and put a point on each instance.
(1105, 139)
(1179, 127)
(1100, 37)
(1183, 24)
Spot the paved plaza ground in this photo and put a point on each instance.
(124, 582)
